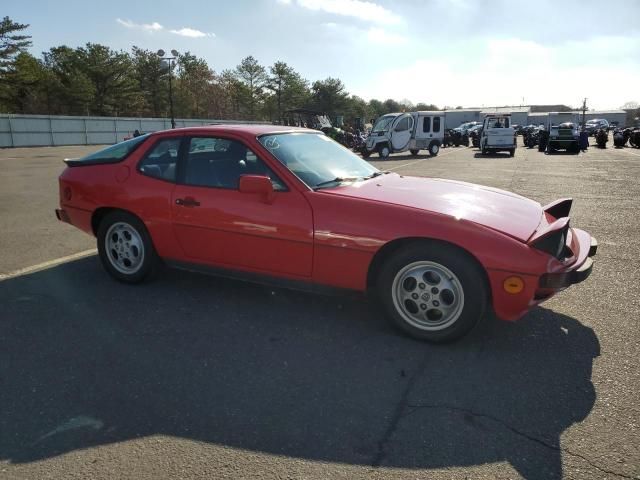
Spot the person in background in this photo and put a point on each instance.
(136, 133)
(584, 140)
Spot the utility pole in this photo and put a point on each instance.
(171, 62)
(584, 113)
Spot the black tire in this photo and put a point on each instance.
(384, 151)
(434, 149)
(108, 256)
(365, 153)
(512, 152)
(414, 152)
(468, 273)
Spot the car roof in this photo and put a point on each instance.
(249, 129)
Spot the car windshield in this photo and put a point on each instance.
(383, 123)
(316, 159)
(115, 152)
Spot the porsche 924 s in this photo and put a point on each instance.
(291, 206)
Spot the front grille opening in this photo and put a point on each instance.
(542, 295)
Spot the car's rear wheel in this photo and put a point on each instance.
(434, 149)
(125, 248)
(414, 152)
(433, 291)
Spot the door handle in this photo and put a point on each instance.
(187, 202)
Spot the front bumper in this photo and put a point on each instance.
(539, 288)
(558, 281)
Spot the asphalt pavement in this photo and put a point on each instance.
(191, 376)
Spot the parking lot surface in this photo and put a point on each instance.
(192, 376)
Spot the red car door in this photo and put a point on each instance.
(217, 224)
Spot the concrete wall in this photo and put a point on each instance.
(44, 130)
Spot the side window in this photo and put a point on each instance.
(219, 162)
(506, 123)
(160, 162)
(402, 125)
(426, 126)
(436, 124)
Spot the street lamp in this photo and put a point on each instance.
(171, 61)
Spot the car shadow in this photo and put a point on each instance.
(561, 153)
(492, 155)
(88, 361)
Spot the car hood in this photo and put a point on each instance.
(497, 209)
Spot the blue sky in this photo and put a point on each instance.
(447, 52)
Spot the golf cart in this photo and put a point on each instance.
(401, 132)
(563, 132)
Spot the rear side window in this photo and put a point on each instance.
(161, 160)
(436, 124)
(114, 153)
(426, 125)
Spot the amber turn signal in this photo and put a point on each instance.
(513, 285)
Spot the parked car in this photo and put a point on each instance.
(592, 126)
(401, 132)
(498, 135)
(293, 207)
(465, 127)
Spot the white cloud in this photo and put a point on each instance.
(192, 33)
(505, 71)
(366, 11)
(147, 27)
(381, 36)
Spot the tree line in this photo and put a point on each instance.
(96, 80)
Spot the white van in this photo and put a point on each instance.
(498, 135)
(401, 132)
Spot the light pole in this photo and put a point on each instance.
(171, 61)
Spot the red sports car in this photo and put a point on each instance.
(292, 206)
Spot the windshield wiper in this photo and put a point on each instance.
(335, 180)
(375, 174)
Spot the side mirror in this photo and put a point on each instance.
(259, 184)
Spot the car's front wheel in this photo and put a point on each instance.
(384, 151)
(125, 248)
(433, 291)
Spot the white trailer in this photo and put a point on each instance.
(401, 132)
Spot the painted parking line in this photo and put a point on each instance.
(47, 264)
(417, 161)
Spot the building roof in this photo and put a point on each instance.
(463, 110)
(506, 110)
(604, 112)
